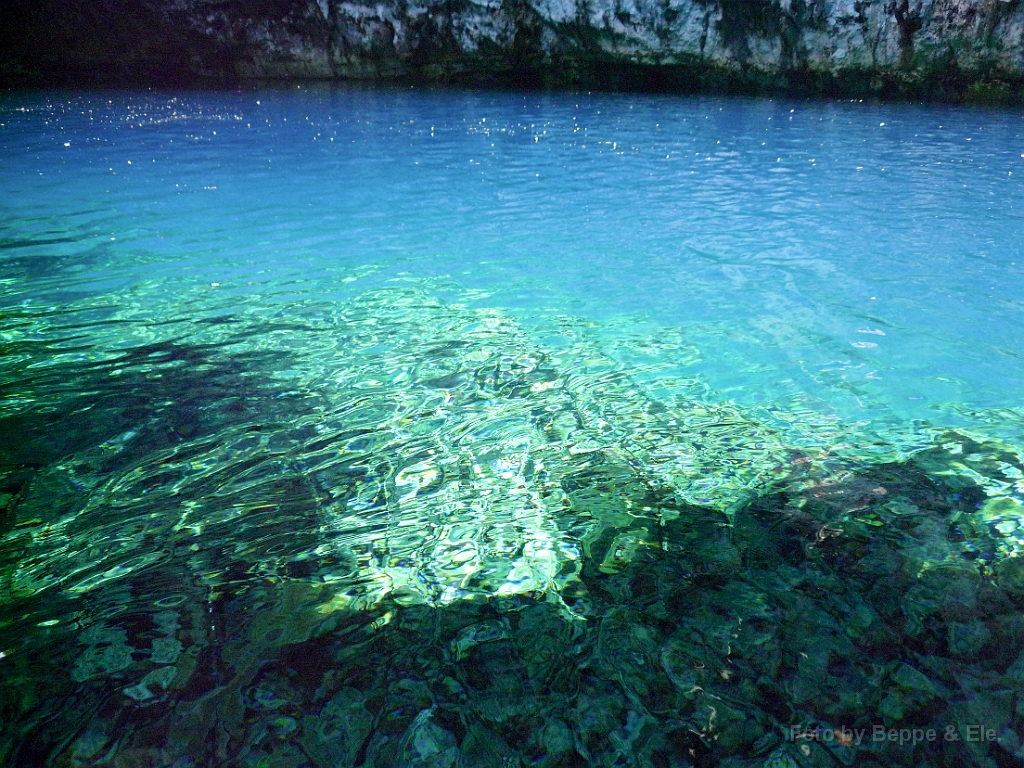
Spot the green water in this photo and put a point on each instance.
(284, 487)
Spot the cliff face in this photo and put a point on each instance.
(923, 48)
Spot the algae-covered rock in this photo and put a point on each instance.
(912, 679)
(1010, 572)
(968, 640)
(336, 730)
(429, 744)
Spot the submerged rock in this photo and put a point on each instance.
(433, 539)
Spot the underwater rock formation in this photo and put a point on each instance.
(396, 530)
(430, 451)
(946, 49)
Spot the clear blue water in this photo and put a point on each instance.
(774, 233)
(283, 366)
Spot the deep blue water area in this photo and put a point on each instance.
(356, 426)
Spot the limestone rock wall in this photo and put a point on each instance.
(940, 48)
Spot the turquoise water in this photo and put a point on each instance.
(348, 426)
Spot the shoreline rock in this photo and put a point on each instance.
(935, 50)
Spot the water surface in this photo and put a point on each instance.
(394, 427)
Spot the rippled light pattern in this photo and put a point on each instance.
(381, 427)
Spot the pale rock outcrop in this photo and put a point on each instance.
(929, 48)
